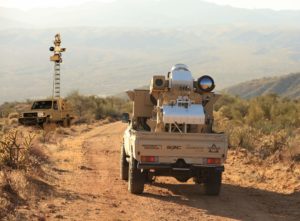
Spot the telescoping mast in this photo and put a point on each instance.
(57, 59)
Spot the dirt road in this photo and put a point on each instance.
(86, 186)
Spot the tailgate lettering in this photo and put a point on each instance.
(152, 147)
(173, 147)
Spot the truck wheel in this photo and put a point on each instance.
(67, 122)
(124, 165)
(40, 125)
(212, 184)
(46, 123)
(136, 178)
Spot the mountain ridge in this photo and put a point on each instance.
(285, 86)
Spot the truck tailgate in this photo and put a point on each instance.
(170, 146)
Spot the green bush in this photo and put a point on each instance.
(263, 124)
(90, 108)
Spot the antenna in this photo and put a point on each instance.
(56, 58)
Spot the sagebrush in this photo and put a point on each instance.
(263, 124)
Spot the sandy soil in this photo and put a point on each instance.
(85, 185)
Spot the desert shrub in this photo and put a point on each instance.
(44, 136)
(243, 136)
(89, 108)
(269, 144)
(294, 144)
(7, 108)
(14, 149)
(13, 107)
(13, 115)
(263, 124)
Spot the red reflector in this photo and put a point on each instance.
(213, 161)
(149, 159)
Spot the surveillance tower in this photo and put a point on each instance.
(57, 59)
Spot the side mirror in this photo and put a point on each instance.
(125, 118)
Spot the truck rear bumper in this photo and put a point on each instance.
(159, 166)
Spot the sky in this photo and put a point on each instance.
(252, 4)
(271, 4)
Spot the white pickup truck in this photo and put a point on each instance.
(154, 145)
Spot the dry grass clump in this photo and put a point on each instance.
(47, 134)
(44, 136)
(12, 122)
(264, 125)
(294, 149)
(63, 131)
(7, 124)
(13, 115)
(2, 128)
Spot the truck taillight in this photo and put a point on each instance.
(213, 161)
(149, 159)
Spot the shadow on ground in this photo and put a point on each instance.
(250, 203)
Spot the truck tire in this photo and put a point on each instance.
(212, 184)
(46, 123)
(67, 122)
(124, 165)
(41, 125)
(136, 178)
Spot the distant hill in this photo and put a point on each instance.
(285, 86)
